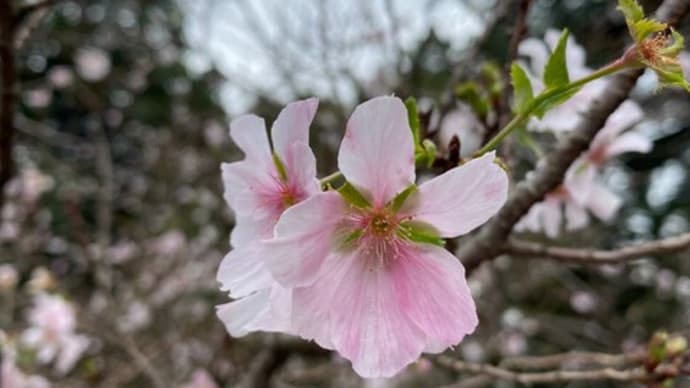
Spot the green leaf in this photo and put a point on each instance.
(413, 118)
(282, 172)
(420, 232)
(469, 92)
(631, 10)
(400, 199)
(522, 88)
(550, 100)
(426, 154)
(353, 196)
(556, 69)
(677, 46)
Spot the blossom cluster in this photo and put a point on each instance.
(362, 269)
(582, 191)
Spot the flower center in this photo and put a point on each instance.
(381, 224)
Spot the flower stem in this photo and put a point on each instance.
(521, 117)
(330, 178)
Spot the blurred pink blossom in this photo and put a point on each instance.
(463, 123)
(169, 243)
(367, 283)
(12, 377)
(259, 189)
(61, 76)
(93, 64)
(582, 191)
(34, 183)
(53, 321)
(201, 379)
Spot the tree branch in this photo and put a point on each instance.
(608, 373)
(530, 249)
(488, 243)
(573, 358)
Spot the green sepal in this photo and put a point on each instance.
(420, 232)
(522, 88)
(396, 203)
(353, 196)
(280, 167)
(413, 118)
(350, 238)
(556, 69)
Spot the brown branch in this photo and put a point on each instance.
(633, 374)
(572, 358)
(8, 83)
(25, 12)
(530, 249)
(488, 243)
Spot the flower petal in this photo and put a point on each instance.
(629, 142)
(463, 198)
(576, 216)
(242, 272)
(552, 217)
(377, 152)
(249, 133)
(292, 125)
(368, 320)
(627, 115)
(303, 238)
(431, 289)
(248, 231)
(245, 184)
(300, 164)
(603, 202)
(239, 315)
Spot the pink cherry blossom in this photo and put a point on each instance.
(12, 377)
(582, 192)
(372, 283)
(53, 322)
(259, 189)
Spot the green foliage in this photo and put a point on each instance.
(469, 92)
(556, 69)
(425, 155)
(353, 196)
(522, 89)
(631, 9)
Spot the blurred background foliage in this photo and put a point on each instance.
(122, 125)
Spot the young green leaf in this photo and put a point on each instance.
(556, 69)
(522, 88)
(632, 10)
(413, 118)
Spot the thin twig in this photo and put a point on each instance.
(488, 243)
(530, 249)
(633, 374)
(573, 358)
